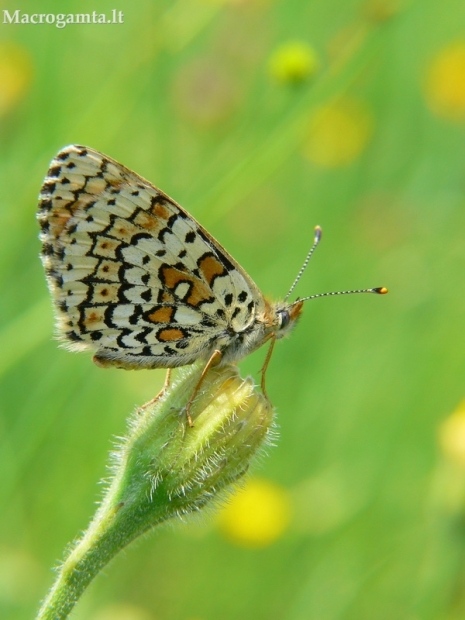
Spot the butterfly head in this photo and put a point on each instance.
(285, 317)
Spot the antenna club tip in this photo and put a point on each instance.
(318, 233)
(382, 290)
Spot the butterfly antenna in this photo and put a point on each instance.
(317, 239)
(381, 290)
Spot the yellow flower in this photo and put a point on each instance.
(293, 62)
(445, 83)
(15, 74)
(338, 133)
(452, 435)
(258, 515)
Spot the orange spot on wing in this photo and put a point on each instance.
(123, 230)
(160, 211)
(162, 315)
(210, 267)
(106, 246)
(198, 294)
(147, 221)
(167, 297)
(105, 293)
(167, 335)
(108, 270)
(173, 277)
(92, 317)
(58, 221)
(64, 210)
(198, 291)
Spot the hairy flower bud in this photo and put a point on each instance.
(180, 468)
(166, 468)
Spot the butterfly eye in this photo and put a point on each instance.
(284, 318)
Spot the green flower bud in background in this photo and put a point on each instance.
(164, 468)
(293, 62)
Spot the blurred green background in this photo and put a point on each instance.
(262, 118)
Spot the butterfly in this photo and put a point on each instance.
(138, 281)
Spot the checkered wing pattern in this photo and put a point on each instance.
(133, 276)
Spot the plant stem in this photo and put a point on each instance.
(115, 525)
(164, 469)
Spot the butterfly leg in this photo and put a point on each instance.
(161, 393)
(265, 366)
(215, 359)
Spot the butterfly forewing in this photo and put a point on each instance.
(134, 277)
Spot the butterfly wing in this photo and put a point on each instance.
(133, 276)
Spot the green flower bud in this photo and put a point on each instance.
(174, 469)
(165, 468)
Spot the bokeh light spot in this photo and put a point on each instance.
(16, 72)
(338, 133)
(452, 435)
(257, 515)
(445, 83)
(293, 62)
